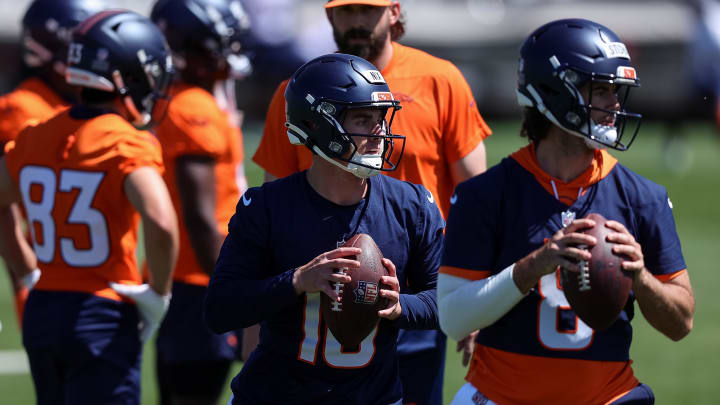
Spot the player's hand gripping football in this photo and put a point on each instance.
(628, 246)
(151, 306)
(319, 273)
(562, 250)
(392, 294)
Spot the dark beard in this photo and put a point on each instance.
(369, 51)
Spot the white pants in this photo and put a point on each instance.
(469, 395)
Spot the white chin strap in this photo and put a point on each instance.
(240, 66)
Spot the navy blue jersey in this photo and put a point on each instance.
(501, 216)
(285, 224)
(506, 213)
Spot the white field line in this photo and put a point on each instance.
(13, 362)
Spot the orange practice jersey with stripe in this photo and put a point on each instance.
(540, 352)
(438, 117)
(71, 173)
(195, 125)
(30, 103)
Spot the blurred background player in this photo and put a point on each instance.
(46, 29)
(202, 152)
(282, 248)
(444, 132)
(83, 177)
(573, 80)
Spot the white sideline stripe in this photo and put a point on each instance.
(14, 362)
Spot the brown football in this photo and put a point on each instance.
(600, 290)
(355, 316)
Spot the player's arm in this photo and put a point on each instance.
(196, 185)
(470, 165)
(275, 155)
(420, 306)
(148, 194)
(463, 128)
(14, 248)
(668, 306)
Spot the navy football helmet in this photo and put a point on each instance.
(122, 52)
(205, 37)
(46, 32)
(319, 94)
(558, 59)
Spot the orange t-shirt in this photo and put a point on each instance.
(30, 103)
(438, 118)
(195, 125)
(71, 173)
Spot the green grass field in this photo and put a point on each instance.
(680, 373)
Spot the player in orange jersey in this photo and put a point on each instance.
(444, 132)
(202, 151)
(85, 178)
(46, 28)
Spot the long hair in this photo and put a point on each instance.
(534, 125)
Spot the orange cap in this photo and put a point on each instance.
(378, 3)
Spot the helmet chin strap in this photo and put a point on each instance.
(602, 135)
(364, 172)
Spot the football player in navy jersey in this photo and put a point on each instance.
(504, 249)
(283, 243)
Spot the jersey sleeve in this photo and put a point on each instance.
(471, 231)
(195, 127)
(16, 152)
(241, 293)
(12, 119)
(420, 307)
(275, 154)
(137, 150)
(463, 127)
(659, 239)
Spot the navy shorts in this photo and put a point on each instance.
(184, 337)
(82, 349)
(421, 354)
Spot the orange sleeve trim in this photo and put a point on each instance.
(464, 273)
(667, 277)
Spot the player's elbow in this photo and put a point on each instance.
(215, 317)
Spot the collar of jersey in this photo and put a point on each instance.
(566, 192)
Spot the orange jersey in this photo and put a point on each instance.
(438, 117)
(195, 125)
(70, 173)
(30, 103)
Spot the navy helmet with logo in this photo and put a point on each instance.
(319, 94)
(124, 53)
(205, 36)
(46, 32)
(561, 57)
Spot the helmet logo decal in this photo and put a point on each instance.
(614, 50)
(382, 96)
(75, 53)
(326, 108)
(626, 72)
(373, 76)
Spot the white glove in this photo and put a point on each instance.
(29, 280)
(151, 306)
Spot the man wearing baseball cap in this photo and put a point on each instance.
(444, 131)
